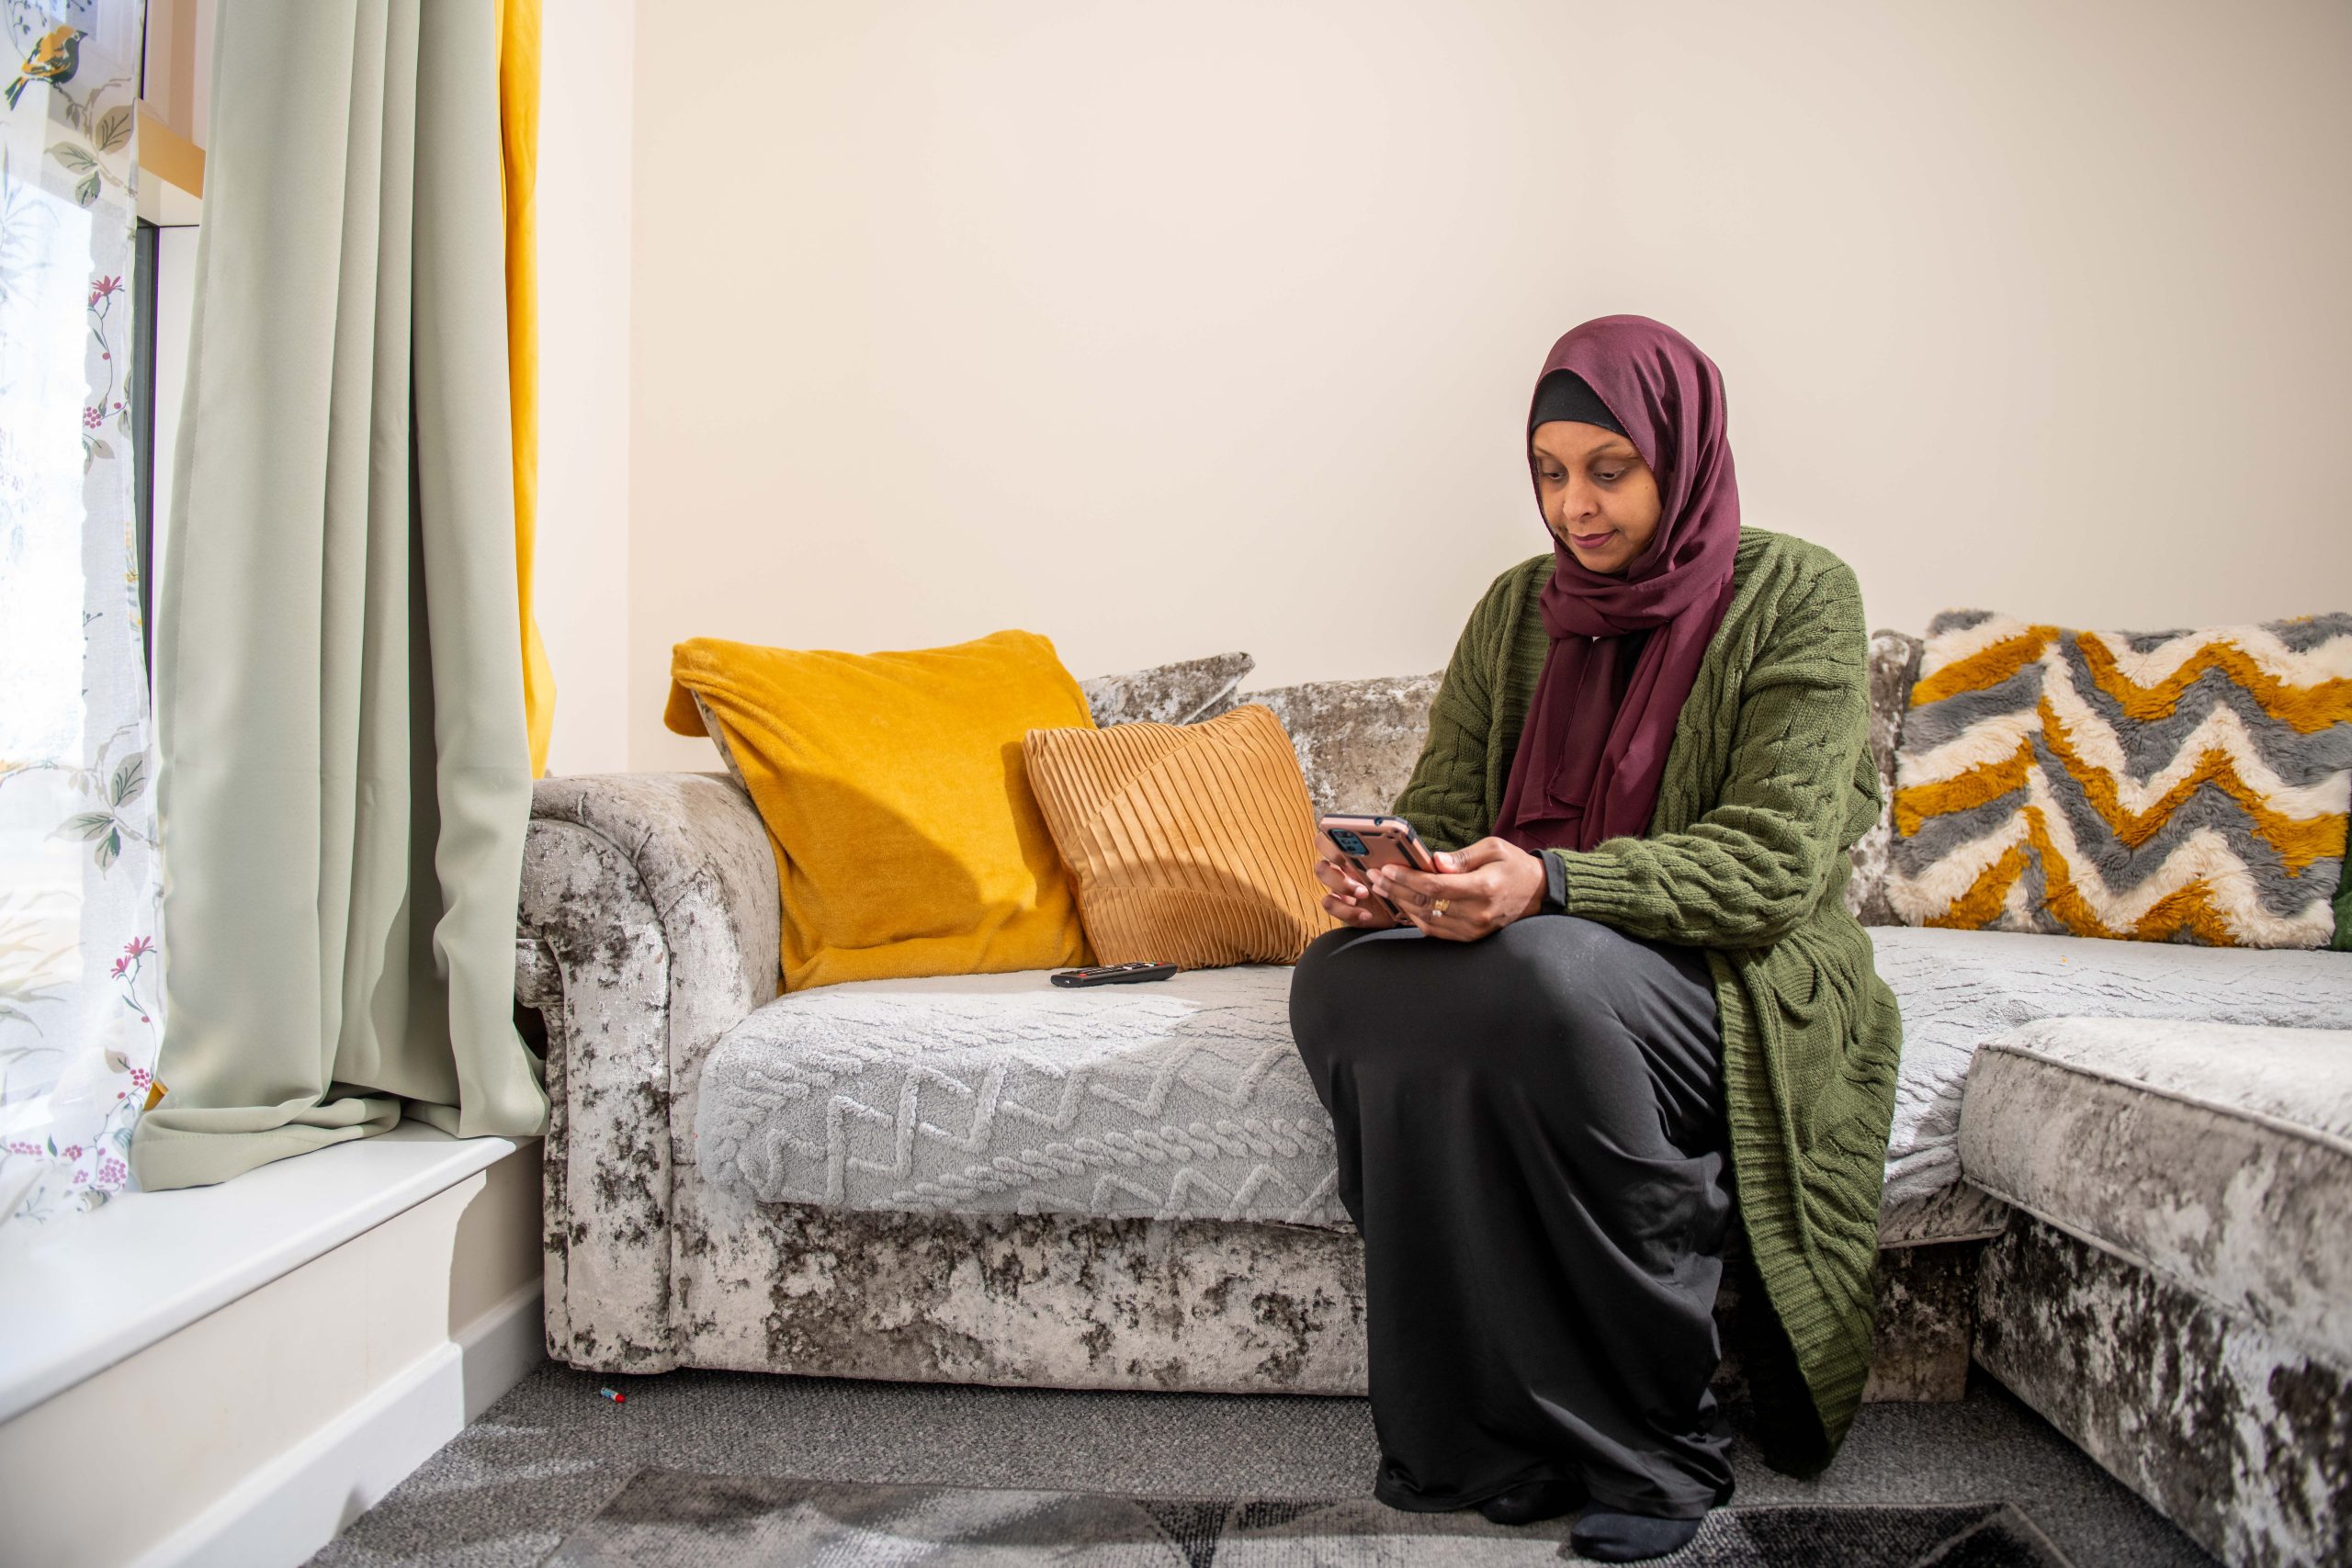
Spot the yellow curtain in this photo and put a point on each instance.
(518, 120)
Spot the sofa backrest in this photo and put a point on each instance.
(1356, 741)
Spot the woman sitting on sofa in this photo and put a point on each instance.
(1630, 1004)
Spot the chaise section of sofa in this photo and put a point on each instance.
(2177, 1297)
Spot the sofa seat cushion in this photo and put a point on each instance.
(1180, 1099)
(2217, 1156)
(995, 1093)
(1960, 989)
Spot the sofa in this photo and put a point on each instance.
(2109, 1180)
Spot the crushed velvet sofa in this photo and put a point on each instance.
(985, 1179)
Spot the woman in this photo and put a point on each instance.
(1630, 991)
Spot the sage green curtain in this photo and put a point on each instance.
(345, 777)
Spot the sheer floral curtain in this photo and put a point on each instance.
(81, 993)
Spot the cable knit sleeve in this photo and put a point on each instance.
(1749, 868)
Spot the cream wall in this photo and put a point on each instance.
(584, 192)
(1170, 330)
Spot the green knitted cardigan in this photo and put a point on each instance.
(1768, 782)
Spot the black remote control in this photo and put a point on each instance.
(1113, 974)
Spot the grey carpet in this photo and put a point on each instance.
(672, 1519)
(538, 1464)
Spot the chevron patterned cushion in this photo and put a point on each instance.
(2183, 786)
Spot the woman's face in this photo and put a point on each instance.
(1600, 499)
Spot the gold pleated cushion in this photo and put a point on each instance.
(1190, 844)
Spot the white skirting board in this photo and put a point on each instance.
(289, 1509)
(503, 1346)
(266, 1359)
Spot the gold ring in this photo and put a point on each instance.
(1438, 907)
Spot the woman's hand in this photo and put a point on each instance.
(1477, 891)
(1346, 897)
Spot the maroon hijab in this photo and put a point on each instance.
(1625, 650)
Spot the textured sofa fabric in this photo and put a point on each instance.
(649, 945)
(1184, 1100)
(1356, 741)
(649, 926)
(653, 898)
(1002, 1094)
(1183, 693)
(2236, 1437)
(2218, 1155)
(1062, 1302)
(1960, 989)
(2180, 1303)
(1893, 665)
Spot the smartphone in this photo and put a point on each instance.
(1368, 842)
(1379, 841)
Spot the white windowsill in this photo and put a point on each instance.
(78, 1296)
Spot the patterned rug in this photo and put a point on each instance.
(673, 1518)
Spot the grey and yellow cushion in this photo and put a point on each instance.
(2179, 1303)
(2187, 786)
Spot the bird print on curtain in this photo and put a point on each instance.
(54, 60)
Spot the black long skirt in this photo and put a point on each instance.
(1532, 1143)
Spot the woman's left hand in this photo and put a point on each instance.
(1474, 891)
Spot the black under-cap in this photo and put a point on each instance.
(1563, 394)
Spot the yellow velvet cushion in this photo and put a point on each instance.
(906, 840)
(1191, 844)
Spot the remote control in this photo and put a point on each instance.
(1113, 974)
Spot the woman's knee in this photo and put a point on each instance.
(1547, 967)
(1580, 971)
(1572, 950)
(1516, 1000)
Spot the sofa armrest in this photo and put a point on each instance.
(649, 925)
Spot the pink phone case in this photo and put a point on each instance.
(1386, 840)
